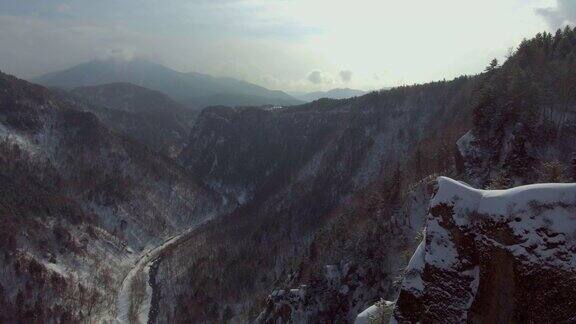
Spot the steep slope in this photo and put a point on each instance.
(524, 116)
(145, 115)
(523, 122)
(345, 144)
(331, 200)
(299, 171)
(354, 259)
(296, 171)
(199, 89)
(78, 203)
(497, 256)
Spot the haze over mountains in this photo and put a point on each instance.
(134, 193)
(195, 90)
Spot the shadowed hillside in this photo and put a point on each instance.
(77, 200)
(300, 173)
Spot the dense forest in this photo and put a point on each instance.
(76, 200)
(307, 213)
(340, 182)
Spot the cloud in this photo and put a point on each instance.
(346, 75)
(563, 14)
(230, 37)
(315, 77)
(319, 77)
(64, 43)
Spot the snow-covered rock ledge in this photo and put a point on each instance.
(494, 257)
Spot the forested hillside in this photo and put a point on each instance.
(145, 115)
(331, 193)
(524, 118)
(308, 213)
(523, 123)
(77, 201)
(319, 185)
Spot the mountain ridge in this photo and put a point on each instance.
(179, 86)
(148, 116)
(336, 93)
(330, 201)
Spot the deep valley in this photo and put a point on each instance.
(134, 193)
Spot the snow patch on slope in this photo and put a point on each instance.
(413, 279)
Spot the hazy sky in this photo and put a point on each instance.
(295, 45)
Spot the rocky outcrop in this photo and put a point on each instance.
(496, 256)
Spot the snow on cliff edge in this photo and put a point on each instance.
(494, 256)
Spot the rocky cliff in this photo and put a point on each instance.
(499, 256)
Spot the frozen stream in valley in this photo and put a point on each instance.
(141, 270)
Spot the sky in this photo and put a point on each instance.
(291, 45)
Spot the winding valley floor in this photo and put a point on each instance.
(133, 301)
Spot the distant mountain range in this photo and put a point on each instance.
(339, 93)
(193, 89)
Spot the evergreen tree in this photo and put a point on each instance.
(492, 66)
(519, 162)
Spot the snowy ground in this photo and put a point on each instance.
(527, 230)
(377, 313)
(142, 267)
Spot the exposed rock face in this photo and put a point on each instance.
(499, 256)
